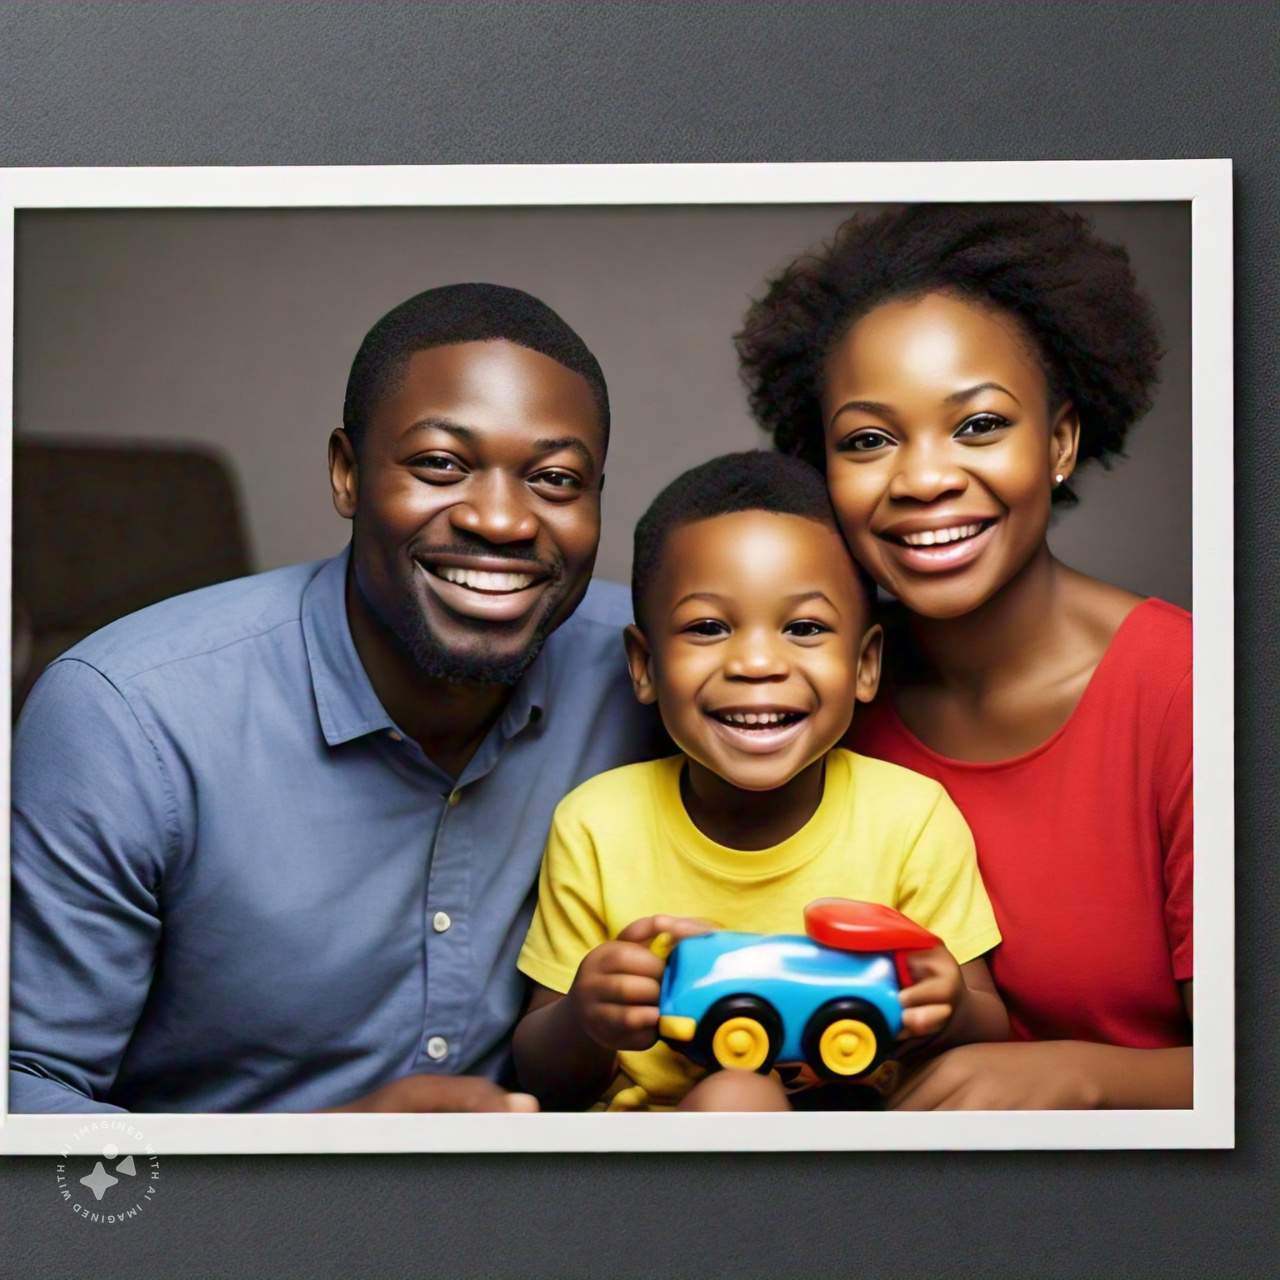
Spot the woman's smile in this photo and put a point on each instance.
(940, 546)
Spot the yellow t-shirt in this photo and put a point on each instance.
(622, 847)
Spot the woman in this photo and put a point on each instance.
(949, 368)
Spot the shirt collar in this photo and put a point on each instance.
(345, 700)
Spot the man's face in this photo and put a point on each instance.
(476, 501)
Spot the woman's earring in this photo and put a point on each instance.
(1058, 479)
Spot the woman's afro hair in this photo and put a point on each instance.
(1075, 296)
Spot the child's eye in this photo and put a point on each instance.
(805, 629)
(708, 627)
(981, 424)
(868, 440)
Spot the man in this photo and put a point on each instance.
(274, 842)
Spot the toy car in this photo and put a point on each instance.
(825, 1004)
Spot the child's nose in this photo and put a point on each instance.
(756, 657)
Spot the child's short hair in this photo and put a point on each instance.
(756, 480)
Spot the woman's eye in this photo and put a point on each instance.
(865, 441)
(706, 627)
(805, 629)
(981, 424)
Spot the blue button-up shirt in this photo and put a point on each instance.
(239, 886)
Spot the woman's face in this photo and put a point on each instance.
(942, 448)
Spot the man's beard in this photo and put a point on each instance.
(437, 661)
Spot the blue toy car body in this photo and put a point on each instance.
(829, 1009)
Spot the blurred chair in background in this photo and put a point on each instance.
(102, 530)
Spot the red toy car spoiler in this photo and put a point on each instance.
(847, 925)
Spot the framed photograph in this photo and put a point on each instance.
(206, 320)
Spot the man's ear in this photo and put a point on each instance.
(640, 660)
(867, 680)
(343, 474)
(1064, 441)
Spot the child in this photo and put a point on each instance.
(752, 637)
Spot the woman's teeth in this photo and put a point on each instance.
(762, 719)
(484, 580)
(939, 537)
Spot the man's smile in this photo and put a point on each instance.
(492, 589)
(488, 581)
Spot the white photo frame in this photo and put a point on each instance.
(1205, 184)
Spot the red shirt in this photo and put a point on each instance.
(1085, 844)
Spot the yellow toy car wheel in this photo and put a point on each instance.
(846, 1039)
(741, 1043)
(742, 1033)
(847, 1047)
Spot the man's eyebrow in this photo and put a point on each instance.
(956, 397)
(442, 424)
(572, 443)
(462, 432)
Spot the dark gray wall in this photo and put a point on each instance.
(236, 330)
(321, 83)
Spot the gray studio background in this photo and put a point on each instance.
(235, 329)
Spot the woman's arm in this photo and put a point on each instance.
(1052, 1075)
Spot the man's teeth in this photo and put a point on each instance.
(939, 537)
(484, 580)
(759, 717)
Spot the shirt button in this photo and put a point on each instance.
(440, 921)
(454, 797)
(437, 1048)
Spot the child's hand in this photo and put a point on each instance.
(932, 999)
(615, 993)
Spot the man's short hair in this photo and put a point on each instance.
(453, 314)
(752, 481)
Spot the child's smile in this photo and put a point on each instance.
(753, 645)
(759, 728)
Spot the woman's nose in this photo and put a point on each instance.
(494, 508)
(926, 473)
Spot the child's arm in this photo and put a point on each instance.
(954, 1003)
(566, 1046)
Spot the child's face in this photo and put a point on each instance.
(754, 646)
